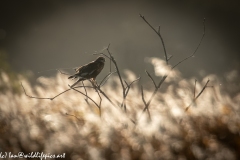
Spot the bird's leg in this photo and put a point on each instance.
(94, 83)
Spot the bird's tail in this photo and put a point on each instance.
(72, 77)
(81, 79)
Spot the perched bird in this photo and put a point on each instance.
(88, 71)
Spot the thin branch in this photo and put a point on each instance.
(125, 89)
(151, 78)
(154, 93)
(59, 94)
(164, 77)
(74, 116)
(143, 99)
(85, 95)
(204, 87)
(106, 78)
(194, 90)
(158, 30)
(100, 103)
(195, 49)
(69, 90)
(32, 96)
(129, 86)
(145, 104)
(118, 72)
(126, 93)
(159, 35)
(104, 94)
(169, 57)
(110, 65)
(51, 98)
(102, 54)
(86, 99)
(126, 85)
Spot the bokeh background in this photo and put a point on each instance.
(37, 37)
(43, 35)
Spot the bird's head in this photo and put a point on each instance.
(100, 59)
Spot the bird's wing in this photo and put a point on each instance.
(77, 68)
(88, 69)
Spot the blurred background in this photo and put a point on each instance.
(43, 35)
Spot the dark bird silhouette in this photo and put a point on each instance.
(88, 71)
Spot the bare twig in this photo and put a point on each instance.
(154, 93)
(159, 35)
(194, 90)
(104, 94)
(96, 87)
(110, 65)
(102, 54)
(118, 72)
(145, 104)
(126, 84)
(129, 86)
(126, 92)
(51, 98)
(74, 116)
(69, 90)
(159, 27)
(125, 88)
(151, 78)
(204, 87)
(106, 78)
(85, 95)
(32, 96)
(195, 49)
(86, 99)
(59, 94)
(164, 77)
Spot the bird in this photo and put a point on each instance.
(88, 71)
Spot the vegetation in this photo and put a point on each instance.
(121, 119)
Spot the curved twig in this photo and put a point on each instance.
(85, 95)
(145, 104)
(195, 98)
(126, 93)
(164, 77)
(33, 96)
(195, 49)
(151, 78)
(106, 78)
(159, 35)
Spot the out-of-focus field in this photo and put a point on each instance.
(208, 130)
